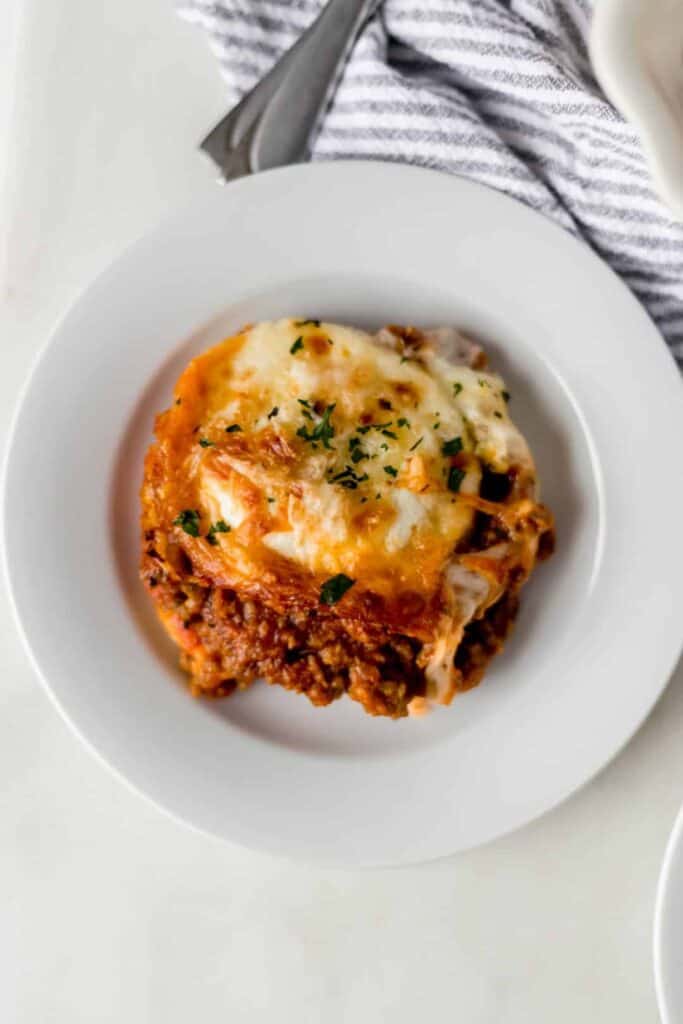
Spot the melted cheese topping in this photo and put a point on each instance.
(301, 450)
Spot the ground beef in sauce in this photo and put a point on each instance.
(237, 641)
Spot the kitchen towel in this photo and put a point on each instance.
(500, 91)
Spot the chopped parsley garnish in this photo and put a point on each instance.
(483, 383)
(271, 500)
(305, 323)
(457, 388)
(436, 426)
(234, 428)
(218, 527)
(402, 422)
(322, 431)
(505, 395)
(357, 453)
(188, 520)
(334, 589)
(452, 447)
(306, 410)
(273, 412)
(348, 478)
(455, 478)
(405, 359)
(298, 344)
(391, 434)
(391, 470)
(205, 443)
(384, 446)
(498, 415)
(416, 445)
(375, 426)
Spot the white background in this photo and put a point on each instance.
(109, 912)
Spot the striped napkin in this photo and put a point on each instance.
(500, 91)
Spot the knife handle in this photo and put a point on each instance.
(291, 117)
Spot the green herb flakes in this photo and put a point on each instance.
(455, 478)
(322, 431)
(234, 428)
(205, 443)
(375, 426)
(452, 447)
(391, 470)
(357, 453)
(218, 527)
(348, 478)
(334, 589)
(298, 344)
(188, 520)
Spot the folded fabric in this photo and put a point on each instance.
(499, 91)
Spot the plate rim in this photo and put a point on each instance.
(157, 231)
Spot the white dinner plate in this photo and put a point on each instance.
(668, 931)
(595, 391)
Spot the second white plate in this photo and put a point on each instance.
(593, 388)
(668, 929)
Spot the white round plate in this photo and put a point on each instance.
(668, 931)
(594, 389)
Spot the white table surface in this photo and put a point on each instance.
(110, 912)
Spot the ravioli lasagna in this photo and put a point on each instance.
(340, 513)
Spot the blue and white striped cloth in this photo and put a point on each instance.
(500, 91)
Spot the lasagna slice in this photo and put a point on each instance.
(340, 513)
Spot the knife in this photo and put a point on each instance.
(275, 124)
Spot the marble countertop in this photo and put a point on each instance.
(110, 911)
